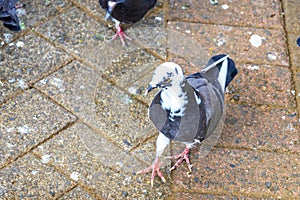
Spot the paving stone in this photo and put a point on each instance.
(238, 13)
(19, 69)
(260, 84)
(121, 117)
(26, 121)
(77, 193)
(235, 41)
(91, 7)
(81, 152)
(149, 31)
(68, 153)
(102, 149)
(7, 36)
(30, 16)
(78, 33)
(297, 87)
(187, 196)
(291, 15)
(243, 173)
(29, 178)
(73, 86)
(97, 102)
(139, 88)
(154, 18)
(263, 85)
(129, 67)
(188, 64)
(258, 128)
(36, 11)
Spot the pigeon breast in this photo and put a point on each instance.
(186, 128)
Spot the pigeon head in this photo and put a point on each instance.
(166, 75)
(111, 5)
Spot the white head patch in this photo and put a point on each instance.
(170, 78)
(169, 73)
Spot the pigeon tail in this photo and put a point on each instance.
(231, 69)
(232, 72)
(219, 68)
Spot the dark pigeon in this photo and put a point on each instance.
(187, 109)
(8, 15)
(126, 11)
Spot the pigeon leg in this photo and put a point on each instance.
(120, 33)
(161, 142)
(155, 168)
(183, 156)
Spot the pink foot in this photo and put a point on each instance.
(123, 37)
(183, 156)
(155, 169)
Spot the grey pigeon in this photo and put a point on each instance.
(8, 14)
(126, 11)
(187, 109)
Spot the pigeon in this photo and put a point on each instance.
(187, 109)
(8, 14)
(125, 11)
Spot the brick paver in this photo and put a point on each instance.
(73, 114)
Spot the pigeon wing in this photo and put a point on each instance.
(208, 86)
(193, 122)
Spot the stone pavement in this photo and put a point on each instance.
(73, 117)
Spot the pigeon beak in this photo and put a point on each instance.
(151, 87)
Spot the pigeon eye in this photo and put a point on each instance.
(167, 80)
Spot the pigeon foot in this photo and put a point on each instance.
(123, 37)
(183, 156)
(155, 168)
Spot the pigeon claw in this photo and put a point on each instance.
(123, 37)
(183, 156)
(155, 170)
(159, 174)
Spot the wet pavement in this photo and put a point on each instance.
(73, 115)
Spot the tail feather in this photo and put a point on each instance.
(223, 71)
(231, 71)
